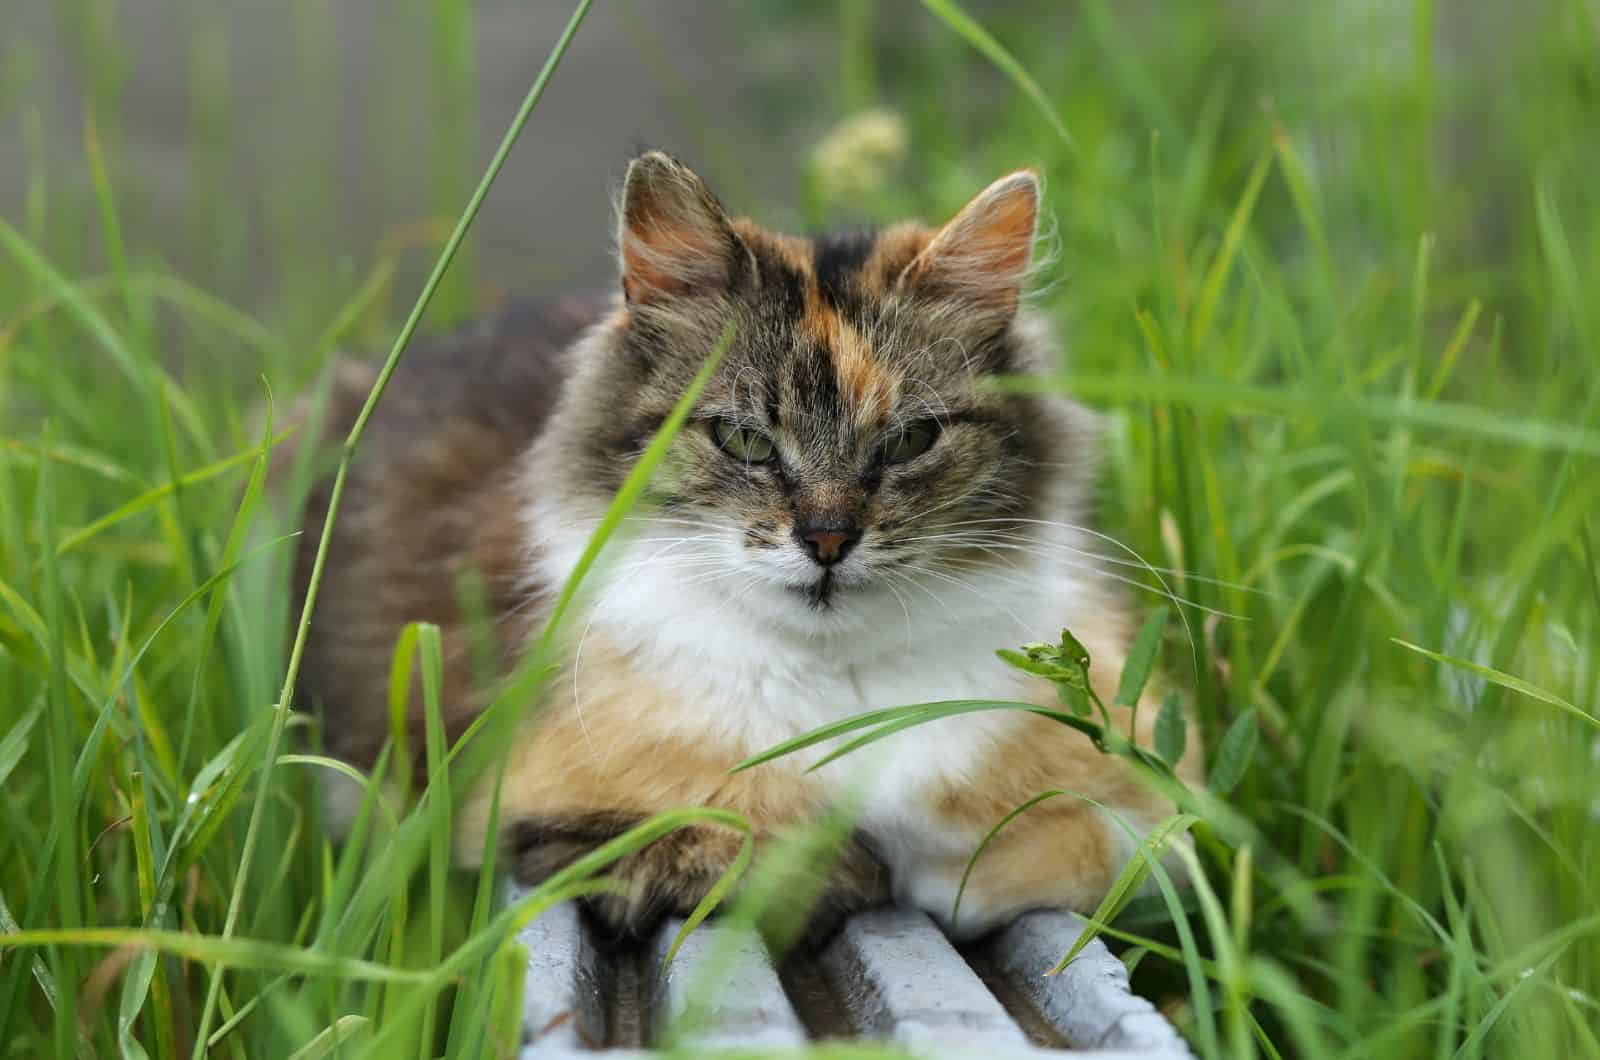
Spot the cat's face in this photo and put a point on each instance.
(845, 450)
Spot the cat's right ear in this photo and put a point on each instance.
(674, 239)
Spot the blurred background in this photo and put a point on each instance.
(266, 144)
(278, 149)
(1329, 268)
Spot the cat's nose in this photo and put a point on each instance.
(828, 544)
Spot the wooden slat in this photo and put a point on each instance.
(721, 989)
(897, 975)
(1089, 1002)
(561, 1007)
(902, 980)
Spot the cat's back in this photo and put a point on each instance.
(501, 375)
(430, 518)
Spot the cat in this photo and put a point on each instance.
(848, 520)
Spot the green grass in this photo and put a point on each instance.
(1331, 278)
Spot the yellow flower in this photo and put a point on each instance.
(859, 155)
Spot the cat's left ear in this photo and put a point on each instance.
(981, 257)
(674, 238)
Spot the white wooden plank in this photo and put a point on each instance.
(1089, 1002)
(561, 1008)
(902, 980)
(721, 989)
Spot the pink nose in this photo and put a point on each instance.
(828, 547)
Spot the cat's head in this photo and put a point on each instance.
(847, 448)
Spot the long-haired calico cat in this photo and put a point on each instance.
(849, 521)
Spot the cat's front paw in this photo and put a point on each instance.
(673, 875)
(670, 877)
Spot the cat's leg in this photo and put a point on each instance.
(668, 877)
(1060, 854)
(575, 780)
(1064, 851)
(672, 875)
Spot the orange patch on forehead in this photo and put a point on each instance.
(862, 376)
(864, 381)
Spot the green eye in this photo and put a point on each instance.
(913, 441)
(743, 443)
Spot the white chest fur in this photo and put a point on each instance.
(751, 665)
(745, 664)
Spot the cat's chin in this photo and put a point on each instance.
(819, 594)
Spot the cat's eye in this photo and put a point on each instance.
(743, 443)
(914, 440)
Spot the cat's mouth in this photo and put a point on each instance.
(820, 593)
(824, 591)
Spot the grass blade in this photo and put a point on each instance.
(1141, 658)
(1504, 680)
(1313, 406)
(1129, 880)
(974, 34)
(989, 837)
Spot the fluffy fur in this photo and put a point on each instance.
(712, 631)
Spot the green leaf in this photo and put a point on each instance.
(1129, 880)
(211, 949)
(1232, 238)
(981, 39)
(333, 1038)
(1171, 730)
(31, 620)
(827, 732)
(431, 652)
(71, 295)
(46, 981)
(136, 985)
(373, 790)
(15, 744)
(972, 862)
(713, 897)
(238, 533)
(1233, 756)
(1073, 695)
(1141, 658)
(1073, 653)
(150, 498)
(1029, 663)
(241, 752)
(401, 666)
(895, 719)
(882, 732)
(1311, 405)
(1504, 680)
(1068, 661)
(507, 1021)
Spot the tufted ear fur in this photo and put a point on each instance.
(674, 237)
(981, 257)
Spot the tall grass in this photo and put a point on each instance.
(1329, 274)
